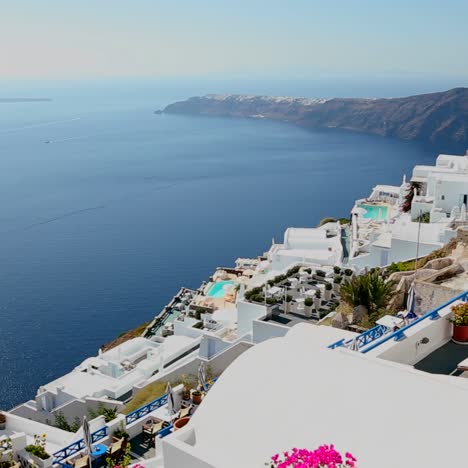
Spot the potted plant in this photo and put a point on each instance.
(2, 421)
(337, 283)
(121, 433)
(348, 272)
(460, 322)
(197, 397)
(287, 304)
(38, 453)
(185, 381)
(181, 422)
(328, 291)
(317, 299)
(336, 270)
(308, 303)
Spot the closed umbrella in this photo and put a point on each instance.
(170, 401)
(410, 304)
(87, 436)
(202, 376)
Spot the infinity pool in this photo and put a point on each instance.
(377, 212)
(217, 289)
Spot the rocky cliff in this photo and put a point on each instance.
(440, 119)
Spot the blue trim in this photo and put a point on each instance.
(165, 432)
(98, 435)
(363, 339)
(144, 410)
(432, 315)
(79, 445)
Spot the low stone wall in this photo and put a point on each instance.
(430, 295)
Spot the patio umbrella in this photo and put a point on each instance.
(87, 436)
(170, 401)
(410, 304)
(202, 376)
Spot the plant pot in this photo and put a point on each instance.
(327, 294)
(181, 422)
(460, 333)
(39, 462)
(336, 287)
(308, 311)
(196, 398)
(317, 302)
(186, 395)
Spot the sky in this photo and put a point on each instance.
(244, 38)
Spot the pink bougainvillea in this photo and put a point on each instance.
(324, 457)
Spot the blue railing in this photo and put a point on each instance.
(363, 339)
(399, 335)
(79, 445)
(144, 410)
(96, 436)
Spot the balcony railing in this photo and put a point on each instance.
(98, 435)
(381, 334)
(400, 335)
(363, 339)
(79, 445)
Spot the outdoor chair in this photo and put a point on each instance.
(149, 433)
(83, 462)
(185, 411)
(116, 450)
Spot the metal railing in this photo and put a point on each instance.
(144, 410)
(79, 445)
(380, 331)
(399, 335)
(363, 339)
(98, 435)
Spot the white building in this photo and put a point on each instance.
(295, 391)
(381, 233)
(107, 379)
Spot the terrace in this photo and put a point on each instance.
(424, 342)
(145, 428)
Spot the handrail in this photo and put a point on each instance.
(362, 339)
(78, 445)
(144, 410)
(399, 335)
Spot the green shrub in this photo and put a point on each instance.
(318, 294)
(38, 451)
(348, 272)
(336, 270)
(271, 300)
(308, 302)
(320, 273)
(293, 271)
(338, 279)
(343, 221)
(328, 287)
(327, 220)
(289, 298)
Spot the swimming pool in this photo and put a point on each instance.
(217, 290)
(377, 212)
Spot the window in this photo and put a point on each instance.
(442, 197)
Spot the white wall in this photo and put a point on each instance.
(246, 313)
(407, 351)
(262, 331)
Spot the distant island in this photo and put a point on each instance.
(13, 100)
(439, 119)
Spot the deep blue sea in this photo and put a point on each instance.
(101, 226)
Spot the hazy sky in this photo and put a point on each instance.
(288, 38)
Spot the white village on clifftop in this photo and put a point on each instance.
(352, 333)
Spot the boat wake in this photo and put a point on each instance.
(43, 124)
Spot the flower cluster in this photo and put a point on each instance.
(324, 457)
(460, 314)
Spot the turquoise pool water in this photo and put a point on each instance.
(377, 212)
(217, 289)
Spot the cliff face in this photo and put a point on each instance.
(440, 119)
